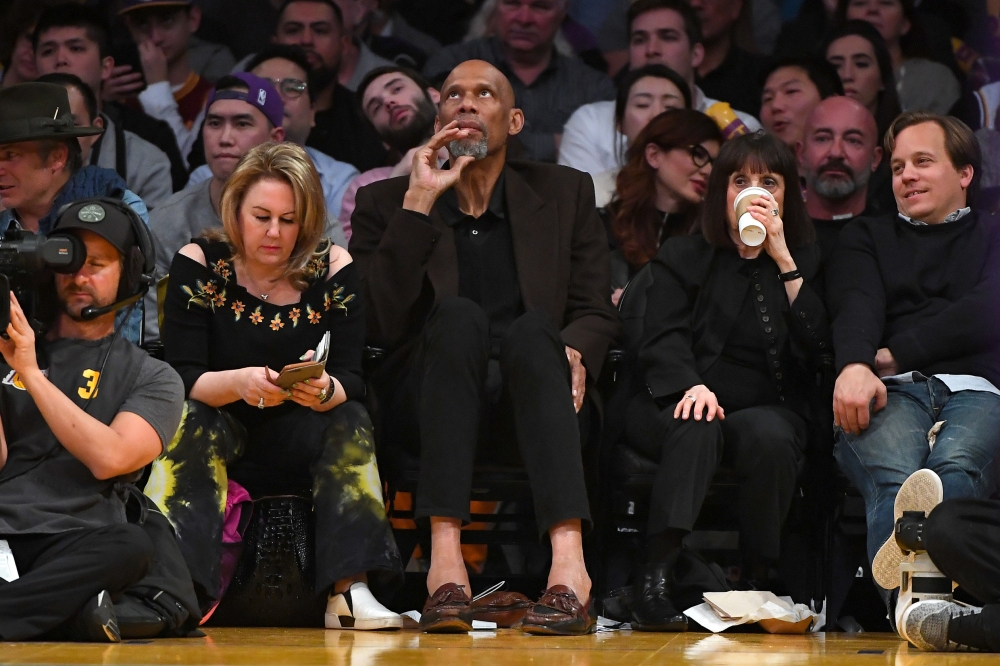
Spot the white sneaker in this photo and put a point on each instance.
(926, 624)
(922, 491)
(358, 609)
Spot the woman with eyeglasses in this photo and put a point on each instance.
(732, 336)
(660, 189)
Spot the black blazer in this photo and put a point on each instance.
(693, 303)
(560, 248)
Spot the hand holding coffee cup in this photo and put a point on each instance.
(751, 231)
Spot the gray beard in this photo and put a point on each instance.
(838, 189)
(466, 148)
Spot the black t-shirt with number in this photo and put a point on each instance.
(44, 489)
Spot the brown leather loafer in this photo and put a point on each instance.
(447, 611)
(560, 613)
(505, 608)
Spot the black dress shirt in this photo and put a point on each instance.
(487, 272)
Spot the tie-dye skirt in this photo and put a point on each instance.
(329, 456)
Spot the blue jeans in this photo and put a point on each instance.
(895, 445)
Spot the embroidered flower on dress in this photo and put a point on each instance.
(219, 300)
(256, 317)
(337, 299)
(319, 265)
(313, 315)
(221, 268)
(204, 294)
(294, 316)
(276, 323)
(238, 309)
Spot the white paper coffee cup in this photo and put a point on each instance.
(752, 232)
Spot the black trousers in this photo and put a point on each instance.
(963, 539)
(764, 444)
(454, 398)
(62, 572)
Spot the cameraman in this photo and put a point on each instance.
(41, 164)
(87, 410)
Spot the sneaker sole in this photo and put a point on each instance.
(922, 491)
(885, 566)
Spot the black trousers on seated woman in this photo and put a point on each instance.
(765, 445)
(329, 456)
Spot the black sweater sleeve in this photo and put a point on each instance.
(857, 296)
(810, 325)
(967, 327)
(666, 354)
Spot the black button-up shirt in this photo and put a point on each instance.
(487, 271)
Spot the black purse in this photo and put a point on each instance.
(273, 585)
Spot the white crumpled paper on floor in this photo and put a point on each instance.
(723, 610)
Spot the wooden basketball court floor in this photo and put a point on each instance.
(277, 647)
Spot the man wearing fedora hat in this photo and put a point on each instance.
(41, 164)
(75, 422)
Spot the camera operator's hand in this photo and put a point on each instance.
(256, 388)
(19, 350)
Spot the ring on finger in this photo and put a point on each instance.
(774, 212)
(691, 398)
(260, 403)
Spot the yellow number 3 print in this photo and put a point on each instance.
(90, 390)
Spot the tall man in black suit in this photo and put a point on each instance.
(489, 283)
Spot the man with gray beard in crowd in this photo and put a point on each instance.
(487, 282)
(838, 153)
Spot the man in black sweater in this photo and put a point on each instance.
(916, 335)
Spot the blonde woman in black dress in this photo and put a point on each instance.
(241, 304)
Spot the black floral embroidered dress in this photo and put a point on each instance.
(211, 323)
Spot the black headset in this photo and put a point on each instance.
(143, 238)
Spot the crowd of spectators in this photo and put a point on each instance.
(632, 126)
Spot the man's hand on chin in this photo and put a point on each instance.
(856, 386)
(427, 181)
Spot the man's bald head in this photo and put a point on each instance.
(843, 111)
(480, 98)
(839, 149)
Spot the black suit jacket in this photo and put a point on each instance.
(560, 248)
(693, 303)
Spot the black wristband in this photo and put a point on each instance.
(790, 275)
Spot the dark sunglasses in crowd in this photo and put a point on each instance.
(290, 88)
(699, 155)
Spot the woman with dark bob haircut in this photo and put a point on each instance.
(732, 337)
